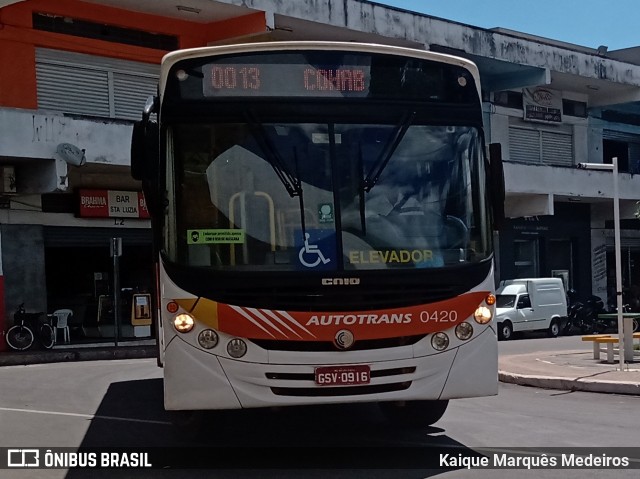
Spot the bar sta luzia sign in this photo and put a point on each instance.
(112, 204)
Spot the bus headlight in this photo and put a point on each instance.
(183, 323)
(236, 348)
(464, 331)
(208, 339)
(482, 315)
(440, 341)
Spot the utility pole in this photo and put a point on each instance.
(116, 252)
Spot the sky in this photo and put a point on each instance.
(589, 23)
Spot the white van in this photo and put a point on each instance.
(530, 304)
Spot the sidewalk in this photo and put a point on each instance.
(81, 352)
(569, 370)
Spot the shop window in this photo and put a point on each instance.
(560, 260)
(630, 275)
(508, 99)
(574, 108)
(616, 148)
(526, 258)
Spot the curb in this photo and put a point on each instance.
(570, 384)
(88, 354)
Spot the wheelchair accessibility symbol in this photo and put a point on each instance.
(310, 255)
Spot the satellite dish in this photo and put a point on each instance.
(71, 154)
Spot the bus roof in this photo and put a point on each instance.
(173, 57)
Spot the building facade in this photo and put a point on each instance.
(75, 75)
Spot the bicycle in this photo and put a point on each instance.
(21, 335)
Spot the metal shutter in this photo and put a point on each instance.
(557, 148)
(72, 90)
(620, 136)
(524, 145)
(528, 145)
(96, 86)
(131, 93)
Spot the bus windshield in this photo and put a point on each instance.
(326, 196)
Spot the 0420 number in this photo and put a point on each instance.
(442, 316)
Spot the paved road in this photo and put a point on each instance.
(118, 404)
(539, 342)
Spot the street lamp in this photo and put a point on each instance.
(616, 228)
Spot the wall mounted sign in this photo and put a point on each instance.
(112, 204)
(542, 104)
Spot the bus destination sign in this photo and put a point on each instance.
(268, 80)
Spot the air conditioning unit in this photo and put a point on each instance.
(7, 179)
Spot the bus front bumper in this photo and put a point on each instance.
(197, 380)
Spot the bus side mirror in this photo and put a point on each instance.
(145, 155)
(496, 184)
(145, 144)
(145, 151)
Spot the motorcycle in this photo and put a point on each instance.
(574, 313)
(576, 319)
(595, 307)
(585, 316)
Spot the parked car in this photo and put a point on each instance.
(530, 304)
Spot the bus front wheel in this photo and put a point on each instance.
(414, 413)
(187, 424)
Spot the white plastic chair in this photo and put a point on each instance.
(62, 322)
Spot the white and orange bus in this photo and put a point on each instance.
(323, 221)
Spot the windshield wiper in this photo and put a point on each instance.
(289, 181)
(386, 154)
(363, 221)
